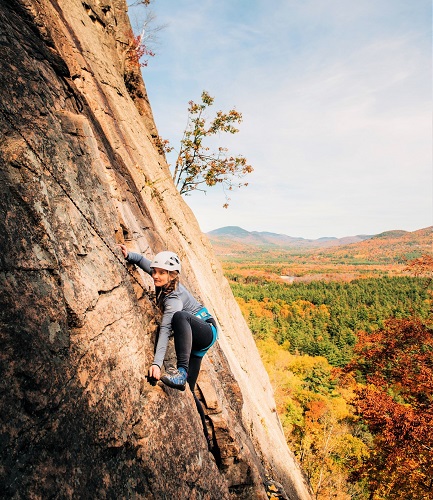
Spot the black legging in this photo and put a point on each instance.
(190, 334)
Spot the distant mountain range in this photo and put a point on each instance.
(234, 236)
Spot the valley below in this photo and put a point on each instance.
(345, 331)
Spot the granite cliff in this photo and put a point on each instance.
(80, 172)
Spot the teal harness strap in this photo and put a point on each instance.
(204, 315)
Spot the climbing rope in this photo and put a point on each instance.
(68, 195)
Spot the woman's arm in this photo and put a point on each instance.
(137, 259)
(171, 305)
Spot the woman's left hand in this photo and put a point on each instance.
(155, 372)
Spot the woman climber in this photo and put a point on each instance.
(193, 328)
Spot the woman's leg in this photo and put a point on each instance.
(190, 333)
(193, 371)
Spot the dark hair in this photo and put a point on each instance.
(169, 287)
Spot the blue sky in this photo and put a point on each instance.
(336, 105)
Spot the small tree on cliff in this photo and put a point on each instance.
(139, 48)
(141, 44)
(197, 166)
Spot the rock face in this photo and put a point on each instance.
(80, 172)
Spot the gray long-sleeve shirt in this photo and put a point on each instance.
(178, 300)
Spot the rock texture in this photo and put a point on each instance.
(80, 172)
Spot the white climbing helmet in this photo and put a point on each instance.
(166, 260)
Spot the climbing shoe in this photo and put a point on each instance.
(175, 378)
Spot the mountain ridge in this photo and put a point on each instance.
(392, 245)
(270, 239)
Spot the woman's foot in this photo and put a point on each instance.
(175, 378)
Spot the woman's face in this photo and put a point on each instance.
(160, 276)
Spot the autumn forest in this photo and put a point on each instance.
(346, 335)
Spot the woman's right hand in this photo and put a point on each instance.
(155, 372)
(124, 250)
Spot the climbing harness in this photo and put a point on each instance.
(204, 314)
(89, 222)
